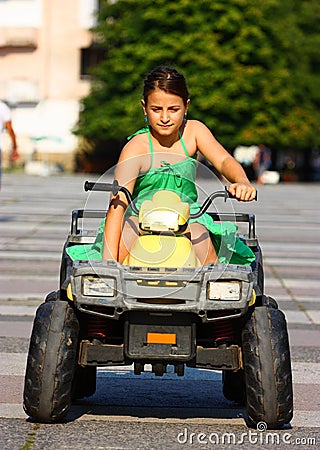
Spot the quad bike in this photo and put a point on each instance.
(160, 308)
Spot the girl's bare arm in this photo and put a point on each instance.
(225, 164)
(127, 170)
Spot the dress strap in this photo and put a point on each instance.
(147, 130)
(185, 148)
(183, 145)
(151, 148)
(141, 131)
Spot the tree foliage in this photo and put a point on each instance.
(252, 68)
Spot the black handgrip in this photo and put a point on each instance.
(89, 185)
(102, 187)
(114, 188)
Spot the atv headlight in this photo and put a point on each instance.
(94, 286)
(224, 290)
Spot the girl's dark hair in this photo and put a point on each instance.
(167, 79)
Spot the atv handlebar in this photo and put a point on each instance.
(115, 188)
(209, 200)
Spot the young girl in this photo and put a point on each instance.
(164, 156)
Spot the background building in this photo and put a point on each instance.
(45, 49)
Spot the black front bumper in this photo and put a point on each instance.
(153, 289)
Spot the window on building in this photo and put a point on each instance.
(90, 57)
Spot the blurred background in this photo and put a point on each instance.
(72, 74)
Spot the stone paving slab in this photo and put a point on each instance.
(288, 228)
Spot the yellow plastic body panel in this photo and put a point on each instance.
(253, 298)
(69, 292)
(162, 251)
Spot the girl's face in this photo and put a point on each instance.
(165, 112)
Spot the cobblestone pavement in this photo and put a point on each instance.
(149, 412)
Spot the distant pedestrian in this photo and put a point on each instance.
(246, 156)
(5, 122)
(262, 162)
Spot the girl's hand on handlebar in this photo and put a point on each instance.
(244, 192)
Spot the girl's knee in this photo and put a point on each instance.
(199, 233)
(130, 232)
(202, 243)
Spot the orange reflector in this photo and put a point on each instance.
(161, 338)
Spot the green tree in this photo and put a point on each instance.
(252, 68)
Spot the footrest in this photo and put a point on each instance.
(226, 358)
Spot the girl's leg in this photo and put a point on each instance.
(130, 232)
(202, 243)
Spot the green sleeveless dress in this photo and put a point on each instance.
(178, 177)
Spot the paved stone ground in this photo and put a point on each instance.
(149, 412)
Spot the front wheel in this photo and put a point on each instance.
(51, 361)
(267, 367)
